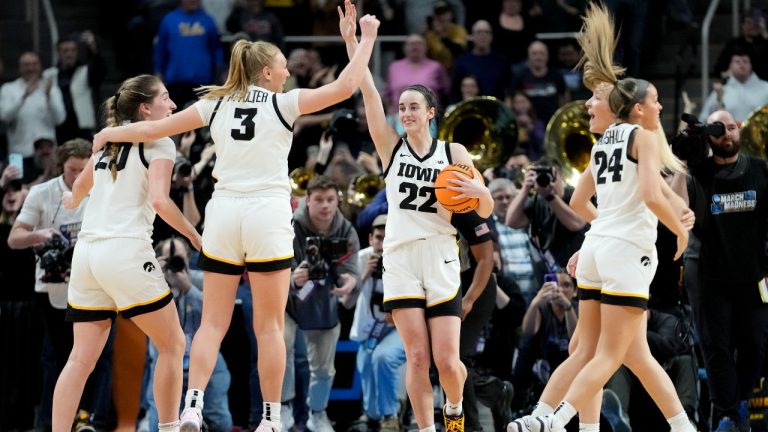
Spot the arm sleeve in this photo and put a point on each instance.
(473, 227)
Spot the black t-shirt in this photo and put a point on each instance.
(475, 230)
(552, 234)
(544, 92)
(730, 206)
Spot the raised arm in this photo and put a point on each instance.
(312, 100)
(150, 130)
(383, 135)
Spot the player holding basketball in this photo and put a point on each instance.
(624, 175)
(421, 277)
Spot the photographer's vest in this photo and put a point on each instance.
(414, 212)
(622, 213)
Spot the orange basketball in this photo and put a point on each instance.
(446, 196)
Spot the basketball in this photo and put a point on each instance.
(446, 196)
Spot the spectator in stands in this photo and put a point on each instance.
(446, 40)
(556, 231)
(417, 12)
(188, 52)
(415, 68)
(544, 87)
(631, 19)
(252, 19)
(41, 166)
(513, 31)
(514, 245)
(173, 256)
(490, 68)
(753, 41)
(381, 354)
(468, 88)
(20, 328)
(321, 277)
(220, 10)
(31, 106)
(80, 83)
(548, 326)
(568, 53)
(742, 93)
(530, 128)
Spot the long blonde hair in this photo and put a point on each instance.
(124, 106)
(245, 66)
(598, 42)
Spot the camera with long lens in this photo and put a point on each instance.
(321, 253)
(55, 259)
(174, 263)
(343, 121)
(692, 143)
(182, 167)
(545, 175)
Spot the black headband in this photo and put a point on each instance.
(640, 93)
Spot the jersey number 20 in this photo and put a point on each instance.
(122, 158)
(611, 164)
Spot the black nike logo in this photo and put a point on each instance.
(403, 155)
(449, 261)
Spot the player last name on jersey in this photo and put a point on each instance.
(254, 96)
(734, 202)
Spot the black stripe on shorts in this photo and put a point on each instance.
(624, 300)
(147, 308)
(88, 315)
(590, 293)
(206, 263)
(405, 303)
(268, 266)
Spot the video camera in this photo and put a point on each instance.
(182, 167)
(55, 259)
(321, 253)
(692, 143)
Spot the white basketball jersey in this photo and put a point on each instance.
(252, 138)
(414, 212)
(622, 212)
(121, 208)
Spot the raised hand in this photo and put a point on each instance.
(369, 26)
(347, 21)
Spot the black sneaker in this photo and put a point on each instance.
(502, 409)
(614, 413)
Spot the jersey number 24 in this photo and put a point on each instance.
(610, 164)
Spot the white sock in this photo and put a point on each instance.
(565, 412)
(169, 427)
(452, 409)
(681, 423)
(589, 427)
(271, 412)
(428, 429)
(541, 409)
(194, 399)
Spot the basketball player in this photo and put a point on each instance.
(624, 174)
(114, 267)
(248, 220)
(421, 264)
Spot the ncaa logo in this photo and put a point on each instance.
(645, 261)
(148, 266)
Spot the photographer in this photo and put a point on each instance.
(325, 272)
(728, 193)
(173, 256)
(556, 231)
(183, 195)
(381, 352)
(45, 225)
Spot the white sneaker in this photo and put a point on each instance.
(268, 426)
(528, 423)
(319, 422)
(190, 420)
(286, 416)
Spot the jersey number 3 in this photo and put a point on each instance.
(611, 164)
(413, 191)
(248, 129)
